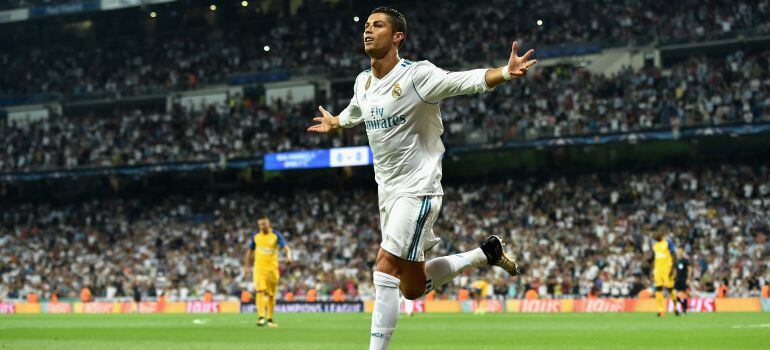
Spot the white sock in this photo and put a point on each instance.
(386, 307)
(442, 270)
(408, 306)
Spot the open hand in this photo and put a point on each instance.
(326, 121)
(518, 65)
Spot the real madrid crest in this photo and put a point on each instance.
(397, 91)
(368, 82)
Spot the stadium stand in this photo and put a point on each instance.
(15, 4)
(168, 60)
(554, 103)
(578, 235)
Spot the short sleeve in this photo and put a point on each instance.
(281, 240)
(252, 246)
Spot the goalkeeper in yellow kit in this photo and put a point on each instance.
(663, 270)
(263, 254)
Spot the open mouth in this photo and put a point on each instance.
(368, 39)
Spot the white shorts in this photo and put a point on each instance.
(407, 226)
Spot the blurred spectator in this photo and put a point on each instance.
(12, 4)
(321, 38)
(577, 236)
(551, 103)
(85, 294)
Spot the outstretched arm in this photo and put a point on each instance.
(348, 118)
(433, 84)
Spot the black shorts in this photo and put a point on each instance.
(680, 286)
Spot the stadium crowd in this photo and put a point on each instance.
(15, 4)
(169, 60)
(576, 236)
(569, 101)
(552, 102)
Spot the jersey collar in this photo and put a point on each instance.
(396, 67)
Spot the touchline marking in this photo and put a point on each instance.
(199, 321)
(761, 325)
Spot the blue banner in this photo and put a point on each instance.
(25, 100)
(107, 5)
(320, 158)
(64, 9)
(297, 160)
(23, 14)
(130, 170)
(257, 78)
(574, 49)
(662, 135)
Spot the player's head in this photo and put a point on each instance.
(264, 224)
(658, 235)
(384, 31)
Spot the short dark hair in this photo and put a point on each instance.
(397, 20)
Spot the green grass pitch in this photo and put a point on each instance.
(425, 331)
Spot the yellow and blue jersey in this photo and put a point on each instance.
(265, 247)
(480, 288)
(665, 255)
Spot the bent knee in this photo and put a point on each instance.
(412, 294)
(388, 264)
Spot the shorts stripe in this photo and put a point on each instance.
(418, 229)
(422, 227)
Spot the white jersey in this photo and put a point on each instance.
(403, 122)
